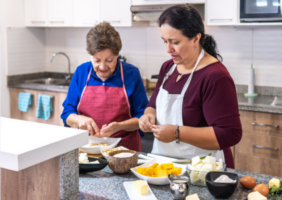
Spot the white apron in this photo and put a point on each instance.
(169, 111)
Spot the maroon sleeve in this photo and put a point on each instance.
(164, 69)
(221, 111)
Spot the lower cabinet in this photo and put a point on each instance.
(260, 149)
(57, 97)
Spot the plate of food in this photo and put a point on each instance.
(89, 164)
(95, 144)
(156, 171)
(105, 152)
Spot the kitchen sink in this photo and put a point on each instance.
(49, 81)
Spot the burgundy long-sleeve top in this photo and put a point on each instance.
(210, 100)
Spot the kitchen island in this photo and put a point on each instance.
(107, 185)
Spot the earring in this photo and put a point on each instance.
(195, 47)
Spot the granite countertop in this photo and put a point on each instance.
(107, 185)
(258, 104)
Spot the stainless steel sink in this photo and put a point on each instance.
(49, 81)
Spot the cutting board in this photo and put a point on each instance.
(93, 155)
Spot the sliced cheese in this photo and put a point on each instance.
(209, 160)
(140, 186)
(196, 160)
(207, 167)
(199, 166)
(194, 176)
(192, 197)
(274, 181)
(202, 175)
(256, 196)
(191, 167)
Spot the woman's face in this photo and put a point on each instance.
(181, 48)
(104, 63)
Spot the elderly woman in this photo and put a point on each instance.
(106, 96)
(194, 103)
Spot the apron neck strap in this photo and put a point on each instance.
(191, 75)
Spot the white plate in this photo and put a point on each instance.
(104, 149)
(157, 180)
(133, 195)
(113, 142)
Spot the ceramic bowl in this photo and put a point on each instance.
(122, 165)
(221, 190)
(88, 167)
(113, 142)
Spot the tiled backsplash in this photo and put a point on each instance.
(144, 48)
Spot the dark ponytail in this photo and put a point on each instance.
(187, 19)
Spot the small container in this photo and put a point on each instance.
(179, 187)
(221, 190)
(122, 165)
(193, 173)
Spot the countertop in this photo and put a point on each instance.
(258, 104)
(20, 151)
(110, 186)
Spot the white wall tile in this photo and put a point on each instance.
(154, 64)
(25, 50)
(154, 42)
(138, 61)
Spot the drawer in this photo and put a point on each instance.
(245, 145)
(268, 147)
(261, 123)
(260, 145)
(257, 164)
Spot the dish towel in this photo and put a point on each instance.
(44, 106)
(24, 101)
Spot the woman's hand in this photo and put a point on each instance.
(146, 122)
(110, 129)
(164, 133)
(83, 122)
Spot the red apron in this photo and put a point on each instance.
(105, 104)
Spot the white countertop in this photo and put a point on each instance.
(24, 143)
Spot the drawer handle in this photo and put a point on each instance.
(274, 126)
(59, 22)
(262, 147)
(38, 22)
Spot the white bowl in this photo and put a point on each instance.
(104, 149)
(113, 142)
(157, 180)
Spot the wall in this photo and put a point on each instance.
(143, 47)
(11, 12)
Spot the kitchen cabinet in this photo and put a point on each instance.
(117, 13)
(185, 1)
(30, 115)
(86, 12)
(260, 149)
(221, 12)
(48, 13)
(148, 2)
(35, 12)
(60, 13)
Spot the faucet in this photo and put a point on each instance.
(67, 77)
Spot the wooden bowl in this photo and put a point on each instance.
(122, 165)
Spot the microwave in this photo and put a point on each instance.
(260, 10)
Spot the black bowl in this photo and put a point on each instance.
(221, 190)
(84, 168)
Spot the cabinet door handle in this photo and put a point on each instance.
(96, 22)
(115, 21)
(262, 147)
(53, 22)
(259, 124)
(221, 19)
(38, 22)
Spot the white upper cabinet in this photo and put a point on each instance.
(86, 12)
(221, 12)
(60, 13)
(185, 1)
(148, 2)
(116, 12)
(35, 12)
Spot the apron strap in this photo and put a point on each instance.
(191, 75)
(168, 74)
(84, 89)
(127, 101)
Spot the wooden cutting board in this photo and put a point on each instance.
(93, 155)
